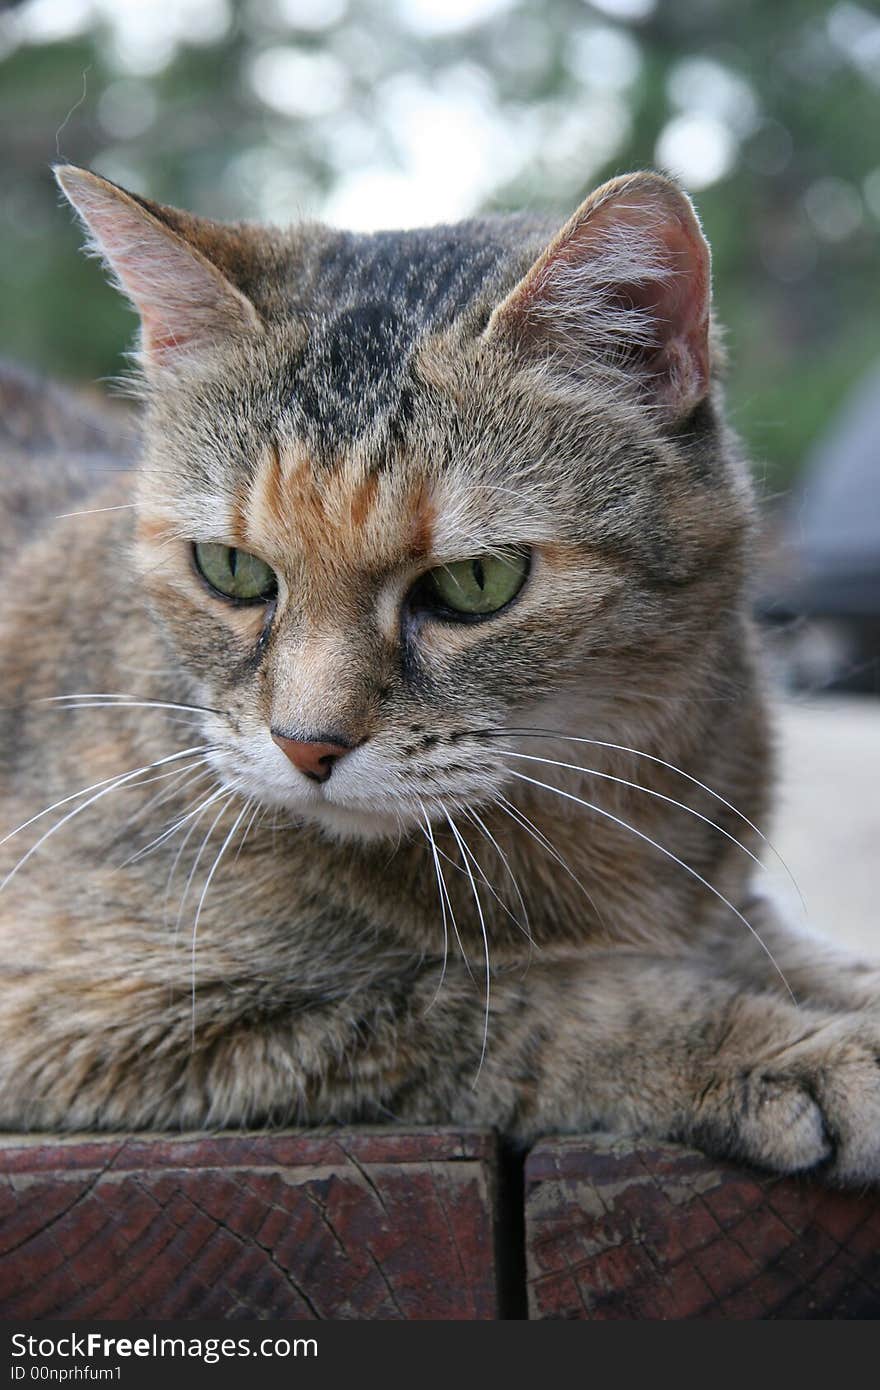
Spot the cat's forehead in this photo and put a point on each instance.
(357, 518)
(368, 302)
(425, 275)
(352, 372)
(354, 516)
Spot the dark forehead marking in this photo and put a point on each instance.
(351, 367)
(375, 297)
(427, 275)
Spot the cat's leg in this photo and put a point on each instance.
(778, 956)
(611, 1039)
(651, 1046)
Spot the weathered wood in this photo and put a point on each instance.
(405, 1224)
(327, 1224)
(619, 1230)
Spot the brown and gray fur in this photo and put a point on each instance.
(357, 410)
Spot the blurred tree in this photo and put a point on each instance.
(374, 113)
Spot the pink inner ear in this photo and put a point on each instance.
(183, 300)
(629, 275)
(674, 292)
(679, 307)
(158, 343)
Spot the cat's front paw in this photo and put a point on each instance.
(815, 1104)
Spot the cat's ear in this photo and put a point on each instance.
(184, 300)
(625, 284)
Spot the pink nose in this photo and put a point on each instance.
(315, 760)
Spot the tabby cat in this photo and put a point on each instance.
(389, 744)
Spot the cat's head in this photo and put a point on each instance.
(402, 490)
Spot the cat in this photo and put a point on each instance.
(389, 744)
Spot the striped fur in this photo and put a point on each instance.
(524, 896)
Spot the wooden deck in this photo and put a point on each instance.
(421, 1224)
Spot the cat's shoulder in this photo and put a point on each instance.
(58, 448)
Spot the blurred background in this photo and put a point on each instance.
(376, 113)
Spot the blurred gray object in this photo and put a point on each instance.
(826, 571)
(834, 524)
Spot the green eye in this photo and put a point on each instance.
(482, 585)
(235, 573)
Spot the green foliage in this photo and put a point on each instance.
(530, 105)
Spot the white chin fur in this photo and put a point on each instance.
(346, 823)
(347, 808)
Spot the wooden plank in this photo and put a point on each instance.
(353, 1223)
(615, 1229)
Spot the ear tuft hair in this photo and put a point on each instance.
(184, 301)
(625, 286)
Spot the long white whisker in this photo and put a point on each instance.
(465, 810)
(637, 786)
(197, 815)
(113, 700)
(172, 830)
(83, 791)
(247, 829)
(93, 511)
(443, 894)
(505, 908)
(235, 824)
(186, 720)
(191, 774)
(452, 918)
(115, 784)
(661, 762)
(600, 810)
(76, 705)
(200, 770)
(525, 925)
(196, 861)
(495, 894)
(479, 905)
(541, 839)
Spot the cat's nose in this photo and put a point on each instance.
(314, 757)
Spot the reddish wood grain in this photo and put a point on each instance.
(619, 1230)
(406, 1224)
(334, 1224)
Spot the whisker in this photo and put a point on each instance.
(186, 721)
(485, 880)
(540, 838)
(443, 894)
(171, 830)
(505, 908)
(214, 823)
(93, 511)
(247, 829)
(637, 786)
(188, 771)
(600, 810)
(661, 762)
(115, 784)
(455, 931)
(83, 791)
(197, 814)
(459, 870)
(122, 701)
(525, 925)
(479, 906)
(207, 884)
(197, 777)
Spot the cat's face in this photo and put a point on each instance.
(390, 518)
